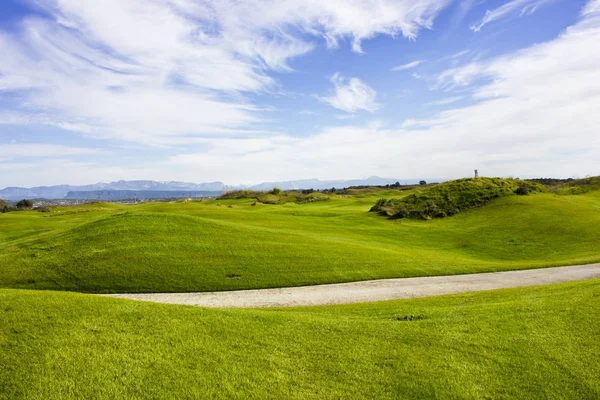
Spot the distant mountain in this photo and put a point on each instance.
(116, 195)
(61, 191)
(155, 188)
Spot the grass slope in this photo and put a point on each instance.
(200, 246)
(539, 342)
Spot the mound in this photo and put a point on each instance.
(452, 197)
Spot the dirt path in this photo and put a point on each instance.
(377, 290)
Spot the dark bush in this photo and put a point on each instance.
(43, 209)
(522, 190)
(25, 204)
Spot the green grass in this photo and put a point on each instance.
(201, 246)
(527, 343)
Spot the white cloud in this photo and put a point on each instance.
(535, 117)
(409, 65)
(524, 7)
(153, 70)
(351, 95)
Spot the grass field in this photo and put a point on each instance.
(201, 246)
(539, 342)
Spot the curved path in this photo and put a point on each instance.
(377, 290)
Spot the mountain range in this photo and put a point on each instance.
(148, 186)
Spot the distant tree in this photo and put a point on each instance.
(422, 183)
(275, 190)
(25, 204)
(397, 184)
(332, 190)
(3, 206)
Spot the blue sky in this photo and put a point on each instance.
(258, 90)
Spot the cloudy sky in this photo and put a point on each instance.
(245, 91)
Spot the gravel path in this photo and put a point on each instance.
(377, 290)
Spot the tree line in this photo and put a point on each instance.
(24, 204)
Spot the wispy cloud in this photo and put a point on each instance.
(31, 150)
(448, 100)
(351, 95)
(534, 114)
(152, 71)
(409, 65)
(523, 7)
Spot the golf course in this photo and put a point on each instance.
(59, 340)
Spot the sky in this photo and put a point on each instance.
(246, 91)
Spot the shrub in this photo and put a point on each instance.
(43, 209)
(276, 191)
(522, 190)
(25, 204)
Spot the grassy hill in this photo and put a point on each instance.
(452, 197)
(231, 244)
(538, 342)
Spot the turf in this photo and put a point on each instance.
(230, 244)
(539, 342)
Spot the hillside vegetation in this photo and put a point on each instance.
(528, 343)
(449, 198)
(572, 186)
(230, 244)
(276, 196)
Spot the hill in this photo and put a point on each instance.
(452, 197)
(231, 244)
